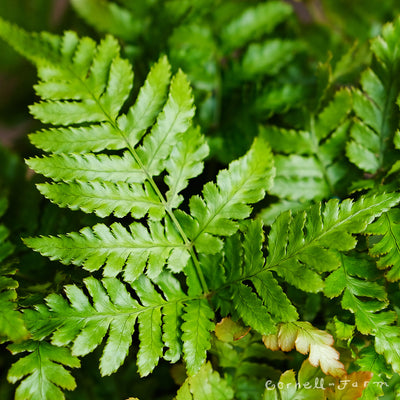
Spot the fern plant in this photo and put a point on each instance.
(200, 280)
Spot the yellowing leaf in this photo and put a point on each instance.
(228, 330)
(350, 387)
(308, 339)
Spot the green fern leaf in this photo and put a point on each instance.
(253, 23)
(355, 279)
(104, 184)
(375, 106)
(387, 245)
(243, 183)
(252, 310)
(118, 249)
(109, 17)
(105, 198)
(42, 372)
(96, 137)
(102, 94)
(88, 167)
(313, 239)
(260, 306)
(196, 333)
(310, 162)
(268, 58)
(36, 47)
(184, 163)
(172, 121)
(114, 314)
(12, 326)
(150, 334)
(206, 384)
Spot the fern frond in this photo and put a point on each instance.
(354, 279)
(12, 326)
(88, 84)
(253, 23)
(261, 306)
(310, 164)
(105, 198)
(42, 372)
(243, 183)
(196, 338)
(206, 384)
(89, 167)
(114, 313)
(184, 163)
(386, 246)
(109, 17)
(117, 248)
(313, 239)
(268, 58)
(370, 147)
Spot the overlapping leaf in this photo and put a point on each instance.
(308, 243)
(310, 163)
(111, 311)
(355, 279)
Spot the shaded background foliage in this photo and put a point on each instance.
(323, 46)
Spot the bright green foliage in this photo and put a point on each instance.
(387, 245)
(114, 313)
(375, 107)
(12, 326)
(268, 304)
(313, 239)
(118, 248)
(206, 384)
(170, 243)
(245, 182)
(42, 372)
(355, 280)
